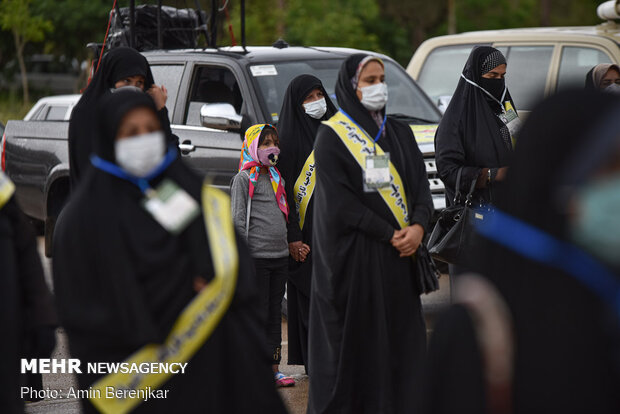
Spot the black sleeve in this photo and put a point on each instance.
(453, 373)
(286, 167)
(450, 156)
(36, 296)
(165, 126)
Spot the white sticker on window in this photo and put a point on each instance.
(264, 70)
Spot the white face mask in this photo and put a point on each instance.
(613, 88)
(374, 97)
(316, 109)
(140, 155)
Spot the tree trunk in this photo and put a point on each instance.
(451, 16)
(19, 47)
(281, 18)
(545, 12)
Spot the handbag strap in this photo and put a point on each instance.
(457, 195)
(470, 194)
(247, 218)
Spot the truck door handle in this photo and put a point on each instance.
(187, 146)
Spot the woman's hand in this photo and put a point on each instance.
(199, 283)
(501, 174)
(299, 250)
(159, 95)
(407, 240)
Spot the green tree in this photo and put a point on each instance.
(348, 23)
(16, 17)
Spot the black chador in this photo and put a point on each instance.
(117, 64)
(367, 331)
(122, 280)
(27, 313)
(471, 134)
(297, 131)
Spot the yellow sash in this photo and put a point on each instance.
(304, 187)
(7, 188)
(197, 321)
(508, 106)
(360, 145)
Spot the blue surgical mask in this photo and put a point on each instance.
(597, 226)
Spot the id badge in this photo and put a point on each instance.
(171, 206)
(512, 121)
(377, 172)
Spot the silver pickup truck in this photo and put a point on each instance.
(210, 92)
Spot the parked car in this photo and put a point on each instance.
(211, 93)
(53, 108)
(541, 61)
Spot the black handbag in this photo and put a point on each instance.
(428, 274)
(454, 229)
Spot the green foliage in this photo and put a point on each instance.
(346, 23)
(342, 23)
(15, 16)
(76, 22)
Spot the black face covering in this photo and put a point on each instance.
(495, 87)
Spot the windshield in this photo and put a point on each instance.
(404, 97)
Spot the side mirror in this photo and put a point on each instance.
(220, 116)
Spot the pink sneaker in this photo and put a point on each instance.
(284, 381)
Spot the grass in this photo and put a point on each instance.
(12, 105)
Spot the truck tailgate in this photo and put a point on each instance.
(34, 151)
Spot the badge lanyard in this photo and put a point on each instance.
(487, 92)
(141, 182)
(541, 247)
(378, 134)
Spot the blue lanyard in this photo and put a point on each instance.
(141, 182)
(380, 129)
(541, 247)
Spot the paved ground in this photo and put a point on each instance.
(295, 398)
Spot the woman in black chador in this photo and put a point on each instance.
(127, 264)
(27, 313)
(367, 332)
(473, 133)
(119, 67)
(305, 105)
(537, 330)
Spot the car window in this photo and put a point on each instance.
(442, 70)
(169, 76)
(575, 63)
(526, 73)
(404, 97)
(212, 84)
(56, 112)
